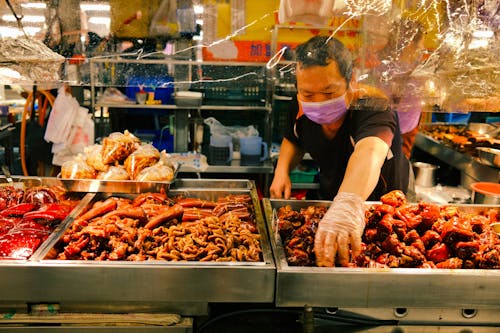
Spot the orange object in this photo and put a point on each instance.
(486, 188)
(77, 59)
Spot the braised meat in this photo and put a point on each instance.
(400, 234)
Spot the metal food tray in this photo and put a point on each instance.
(116, 186)
(378, 287)
(185, 287)
(27, 182)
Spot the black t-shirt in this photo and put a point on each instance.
(367, 117)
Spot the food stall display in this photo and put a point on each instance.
(471, 149)
(203, 241)
(464, 138)
(415, 256)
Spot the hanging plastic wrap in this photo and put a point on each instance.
(461, 73)
(467, 62)
(24, 60)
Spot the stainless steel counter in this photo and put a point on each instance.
(381, 291)
(185, 288)
(471, 169)
(235, 166)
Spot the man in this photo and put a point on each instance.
(354, 139)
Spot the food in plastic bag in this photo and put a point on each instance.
(157, 172)
(94, 158)
(77, 168)
(216, 127)
(114, 172)
(144, 156)
(117, 146)
(166, 159)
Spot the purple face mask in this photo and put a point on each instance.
(326, 112)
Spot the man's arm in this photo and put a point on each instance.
(290, 156)
(363, 169)
(342, 227)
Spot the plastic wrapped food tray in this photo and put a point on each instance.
(116, 186)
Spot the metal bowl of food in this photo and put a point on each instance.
(481, 128)
(486, 193)
(489, 156)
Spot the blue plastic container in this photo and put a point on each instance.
(160, 139)
(453, 118)
(162, 86)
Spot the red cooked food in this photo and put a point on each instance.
(400, 234)
(27, 217)
(155, 227)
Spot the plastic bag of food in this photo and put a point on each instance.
(114, 172)
(157, 172)
(117, 146)
(144, 156)
(166, 159)
(217, 128)
(94, 157)
(77, 168)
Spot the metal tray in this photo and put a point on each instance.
(27, 182)
(375, 287)
(489, 156)
(184, 287)
(116, 186)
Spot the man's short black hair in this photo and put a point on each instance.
(321, 50)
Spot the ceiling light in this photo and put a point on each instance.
(34, 5)
(100, 20)
(478, 43)
(15, 32)
(96, 7)
(9, 73)
(26, 18)
(198, 9)
(10, 32)
(483, 34)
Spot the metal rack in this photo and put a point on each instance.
(471, 170)
(187, 74)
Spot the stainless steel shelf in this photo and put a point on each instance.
(466, 163)
(175, 107)
(235, 167)
(305, 186)
(378, 288)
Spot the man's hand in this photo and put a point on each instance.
(281, 187)
(340, 230)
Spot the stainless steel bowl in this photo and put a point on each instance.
(489, 156)
(425, 174)
(481, 128)
(496, 227)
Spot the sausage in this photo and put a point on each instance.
(173, 212)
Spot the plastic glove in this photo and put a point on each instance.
(340, 230)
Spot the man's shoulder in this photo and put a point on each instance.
(370, 103)
(369, 97)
